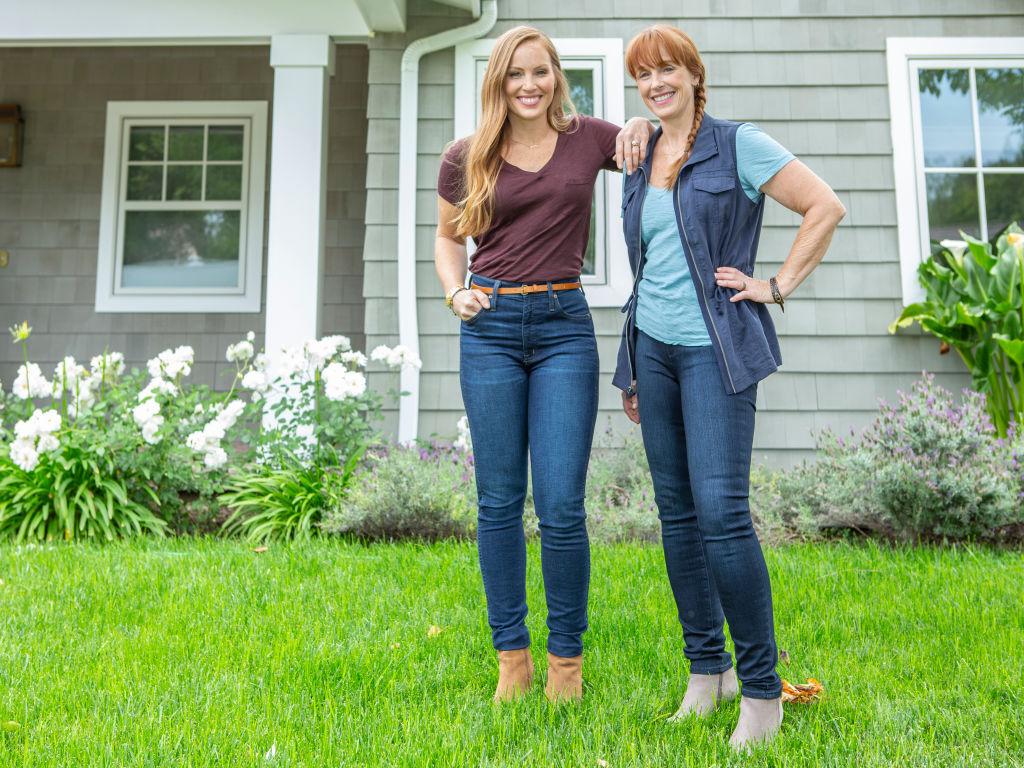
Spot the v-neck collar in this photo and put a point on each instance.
(558, 143)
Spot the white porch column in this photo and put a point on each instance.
(303, 66)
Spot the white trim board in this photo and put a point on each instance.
(902, 53)
(245, 297)
(611, 285)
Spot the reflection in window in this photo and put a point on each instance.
(183, 207)
(972, 138)
(581, 91)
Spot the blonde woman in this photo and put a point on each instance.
(522, 187)
(698, 338)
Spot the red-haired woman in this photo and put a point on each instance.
(698, 338)
(522, 188)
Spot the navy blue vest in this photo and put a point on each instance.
(719, 226)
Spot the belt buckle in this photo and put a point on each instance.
(523, 290)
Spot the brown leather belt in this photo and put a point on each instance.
(521, 290)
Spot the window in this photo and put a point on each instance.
(181, 224)
(958, 141)
(594, 70)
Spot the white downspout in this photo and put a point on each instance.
(408, 325)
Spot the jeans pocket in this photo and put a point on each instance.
(572, 304)
(473, 319)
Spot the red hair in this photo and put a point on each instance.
(659, 45)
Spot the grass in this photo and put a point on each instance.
(196, 653)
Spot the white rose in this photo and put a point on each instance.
(24, 454)
(150, 429)
(215, 457)
(145, 411)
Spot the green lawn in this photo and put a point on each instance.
(183, 653)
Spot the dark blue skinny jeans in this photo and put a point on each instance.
(698, 440)
(529, 375)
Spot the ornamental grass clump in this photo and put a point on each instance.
(928, 468)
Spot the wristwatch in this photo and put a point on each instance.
(449, 297)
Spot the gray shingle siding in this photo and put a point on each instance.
(813, 75)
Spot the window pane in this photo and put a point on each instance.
(223, 182)
(588, 255)
(146, 142)
(225, 142)
(145, 182)
(1001, 116)
(581, 89)
(181, 249)
(185, 143)
(184, 182)
(1004, 200)
(946, 125)
(952, 205)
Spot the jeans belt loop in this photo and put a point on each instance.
(495, 290)
(551, 298)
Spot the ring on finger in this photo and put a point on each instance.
(634, 143)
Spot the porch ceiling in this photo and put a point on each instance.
(104, 22)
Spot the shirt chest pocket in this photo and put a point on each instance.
(713, 197)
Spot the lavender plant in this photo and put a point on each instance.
(928, 467)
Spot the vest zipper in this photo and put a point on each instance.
(634, 298)
(691, 258)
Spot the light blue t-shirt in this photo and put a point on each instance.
(667, 307)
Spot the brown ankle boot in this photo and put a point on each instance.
(565, 678)
(515, 674)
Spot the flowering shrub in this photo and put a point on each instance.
(927, 468)
(153, 445)
(973, 303)
(425, 492)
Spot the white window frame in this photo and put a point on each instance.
(612, 281)
(905, 56)
(121, 115)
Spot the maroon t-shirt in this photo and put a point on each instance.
(541, 220)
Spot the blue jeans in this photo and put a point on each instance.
(698, 440)
(529, 375)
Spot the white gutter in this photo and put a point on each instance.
(408, 326)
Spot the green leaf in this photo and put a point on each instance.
(1014, 348)
(909, 314)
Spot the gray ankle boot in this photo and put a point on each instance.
(760, 720)
(703, 692)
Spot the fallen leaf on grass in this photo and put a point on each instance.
(260, 550)
(434, 631)
(395, 646)
(272, 752)
(803, 693)
(602, 763)
(9, 725)
(784, 657)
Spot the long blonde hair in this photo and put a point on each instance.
(481, 160)
(661, 44)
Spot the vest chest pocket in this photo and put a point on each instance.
(713, 196)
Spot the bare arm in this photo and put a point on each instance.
(799, 189)
(451, 262)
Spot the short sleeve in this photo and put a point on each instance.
(450, 176)
(758, 158)
(603, 134)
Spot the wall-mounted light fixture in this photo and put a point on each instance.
(12, 130)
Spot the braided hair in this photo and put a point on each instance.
(663, 44)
